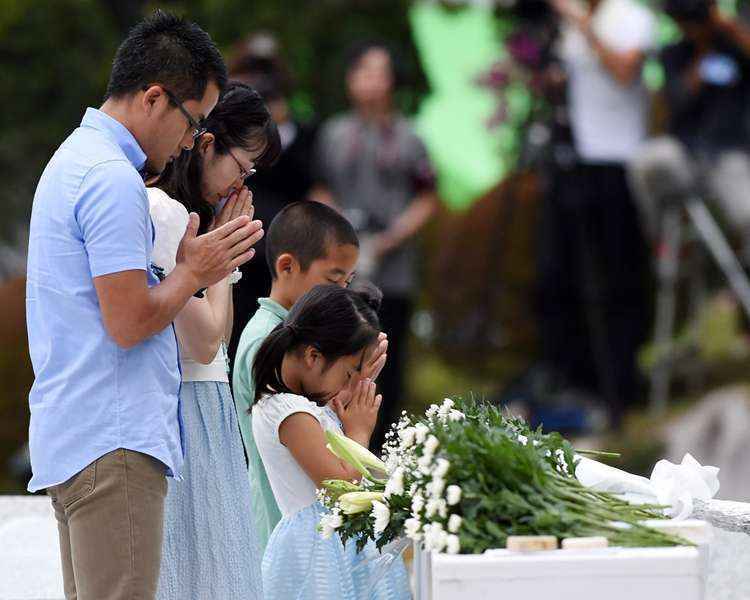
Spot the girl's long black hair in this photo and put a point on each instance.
(336, 321)
(239, 120)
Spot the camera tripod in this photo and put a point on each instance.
(709, 234)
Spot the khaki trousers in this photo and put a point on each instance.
(110, 517)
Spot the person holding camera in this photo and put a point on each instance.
(593, 301)
(707, 89)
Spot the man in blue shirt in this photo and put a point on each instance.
(104, 427)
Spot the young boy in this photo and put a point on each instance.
(307, 244)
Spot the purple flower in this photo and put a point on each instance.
(524, 49)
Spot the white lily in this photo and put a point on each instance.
(353, 453)
(357, 502)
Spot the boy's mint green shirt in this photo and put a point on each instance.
(265, 511)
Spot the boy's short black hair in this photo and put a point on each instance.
(170, 51)
(305, 230)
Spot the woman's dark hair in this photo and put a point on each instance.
(336, 321)
(239, 120)
(357, 51)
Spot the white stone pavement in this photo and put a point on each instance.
(30, 563)
(29, 550)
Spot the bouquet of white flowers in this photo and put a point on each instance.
(465, 477)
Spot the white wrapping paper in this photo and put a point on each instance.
(677, 486)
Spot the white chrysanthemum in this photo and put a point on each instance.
(441, 467)
(562, 465)
(395, 484)
(421, 432)
(453, 495)
(436, 487)
(436, 506)
(412, 528)
(330, 523)
(453, 544)
(454, 523)
(417, 503)
(523, 439)
(435, 537)
(407, 437)
(432, 411)
(431, 444)
(382, 516)
(424, 463)
(446, 407)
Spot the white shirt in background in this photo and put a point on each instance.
(609, 120)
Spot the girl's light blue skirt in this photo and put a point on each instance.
(210, 550)
(300, 565)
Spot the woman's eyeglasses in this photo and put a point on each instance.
(244, 173)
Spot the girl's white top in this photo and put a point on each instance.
(291, 486)
(170, 220)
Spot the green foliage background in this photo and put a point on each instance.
(55, 57)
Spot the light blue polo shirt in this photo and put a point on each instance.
(90, 218)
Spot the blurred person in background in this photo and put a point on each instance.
(592, 257)
(707, 90)
(257, 62)
(372, 166)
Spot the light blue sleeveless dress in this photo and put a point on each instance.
(210, 549)
(298, 563)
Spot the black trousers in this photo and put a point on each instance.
(395, 314)
(593, 282)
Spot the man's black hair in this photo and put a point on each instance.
(165, 49)
(306, 230)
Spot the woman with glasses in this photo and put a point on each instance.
(210, 548)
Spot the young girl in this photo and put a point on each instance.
(210, 548)
(298, 371)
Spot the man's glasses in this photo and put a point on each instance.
(198, 130)
(244, 173)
